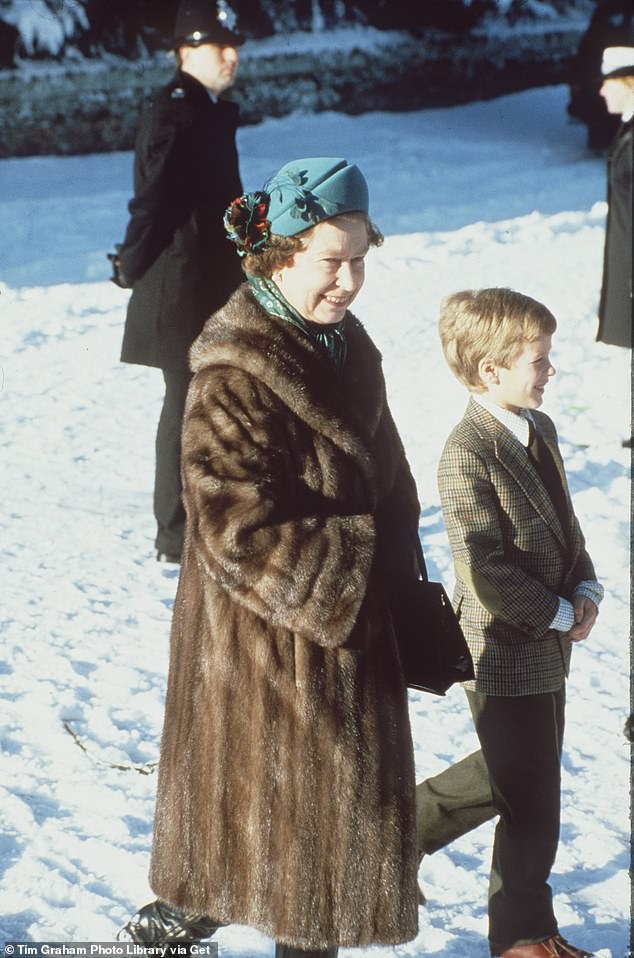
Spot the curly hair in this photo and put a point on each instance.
(279, 250)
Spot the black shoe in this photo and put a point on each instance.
(168, 557)
(160, 922)
(627, 443)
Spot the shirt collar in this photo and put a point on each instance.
(516, 423)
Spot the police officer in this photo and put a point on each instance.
(175, 256)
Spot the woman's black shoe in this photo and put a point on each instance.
(160, 922)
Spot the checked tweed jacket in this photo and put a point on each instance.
(512, 557)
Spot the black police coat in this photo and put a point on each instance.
(615, 309)
(175, 254)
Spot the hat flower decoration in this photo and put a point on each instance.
(246, 222)
(305, 205)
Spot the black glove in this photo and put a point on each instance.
(118, 277)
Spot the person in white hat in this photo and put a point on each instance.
(615, 309)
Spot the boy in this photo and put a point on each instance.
(525, 591)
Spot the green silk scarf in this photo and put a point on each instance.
(331, 338)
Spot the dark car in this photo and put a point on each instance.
(611, 24)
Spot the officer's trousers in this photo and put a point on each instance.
(168, 505)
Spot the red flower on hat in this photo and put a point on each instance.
(246, 222)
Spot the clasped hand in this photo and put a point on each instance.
(586, 614)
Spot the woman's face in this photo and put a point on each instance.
(322, 280)
(618, 95)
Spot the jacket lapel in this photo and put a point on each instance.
(513, 457)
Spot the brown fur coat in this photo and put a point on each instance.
(286, 782)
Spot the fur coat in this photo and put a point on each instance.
(286, 782)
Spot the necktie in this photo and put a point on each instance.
(542, 460)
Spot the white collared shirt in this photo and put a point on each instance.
(517, 424)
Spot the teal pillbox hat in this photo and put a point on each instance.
(307, 191)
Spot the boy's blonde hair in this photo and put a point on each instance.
(491, 323)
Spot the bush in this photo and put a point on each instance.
(39, 28)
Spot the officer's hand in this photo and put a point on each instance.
(118, 276)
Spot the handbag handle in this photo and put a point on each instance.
(420, 557)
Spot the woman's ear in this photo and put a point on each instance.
(488, 372)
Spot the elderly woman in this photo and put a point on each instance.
(286, 794)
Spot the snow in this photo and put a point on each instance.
(496, 193)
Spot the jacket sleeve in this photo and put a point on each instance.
(160, 202)
(285, 551)
(471, 512)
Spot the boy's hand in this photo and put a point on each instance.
(586, 614)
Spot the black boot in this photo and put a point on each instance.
(160, 922)
(288, 951)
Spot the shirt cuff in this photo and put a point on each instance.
(564, 617)
(591, 590)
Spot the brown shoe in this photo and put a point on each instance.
(566, 950)
(541, 949)
(556, 947)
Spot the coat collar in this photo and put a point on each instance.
(512, 455)
(622, 139)
(185, 86)
(347, 410)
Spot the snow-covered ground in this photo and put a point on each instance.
(496, 193)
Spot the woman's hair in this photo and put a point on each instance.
(491, 324)
(279, 250)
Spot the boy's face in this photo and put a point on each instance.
(520, 386)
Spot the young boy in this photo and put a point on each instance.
(525, 591)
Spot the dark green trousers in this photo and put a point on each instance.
(516, 774)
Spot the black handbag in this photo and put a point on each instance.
(433, 650)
